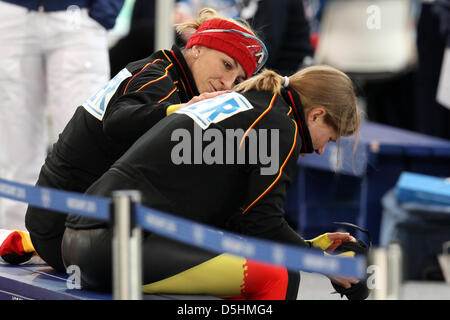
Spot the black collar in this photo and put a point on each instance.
(183, 71)
(293, 99)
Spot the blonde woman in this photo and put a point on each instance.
(220, 53)
(226, 162)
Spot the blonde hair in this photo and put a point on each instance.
(207, 14)
(317, 86)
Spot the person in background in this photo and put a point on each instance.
(185, 10)
(131, 47)
(54, 56)
(202, 163)
(432, 116)
(285, 30)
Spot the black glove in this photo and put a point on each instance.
(357, 247)
(358, 291)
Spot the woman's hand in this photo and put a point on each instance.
(337, 239)
(330, 241)
(206, 95)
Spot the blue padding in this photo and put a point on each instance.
(375, 139)
(40, 282)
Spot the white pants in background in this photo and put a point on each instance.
(50, 62)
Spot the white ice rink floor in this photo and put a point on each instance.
(318, 287)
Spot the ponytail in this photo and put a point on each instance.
(267, 80)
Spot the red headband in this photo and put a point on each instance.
(248, 51)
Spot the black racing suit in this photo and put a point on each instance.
(223, 193)
(101, 130)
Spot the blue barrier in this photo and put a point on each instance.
(57, 200)
(187, 231)
(203, 236)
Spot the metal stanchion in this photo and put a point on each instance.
(395, 271)
(126, 246)
(387, 267)
(378, 280)
(164, 31)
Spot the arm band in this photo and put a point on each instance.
(171, 109)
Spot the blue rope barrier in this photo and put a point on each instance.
(189, 232)
(57, 200)
(206, 237)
